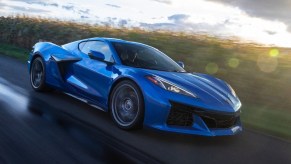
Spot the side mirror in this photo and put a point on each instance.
(181, 64)
(96, 55)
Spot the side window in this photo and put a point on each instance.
(81, 45)
(97, 46)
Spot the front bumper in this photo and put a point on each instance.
(172, 112)
(182, 118)
(171, 116)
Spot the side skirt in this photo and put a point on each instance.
(85, 101)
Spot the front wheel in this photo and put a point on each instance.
(127, 105)
(37, 75)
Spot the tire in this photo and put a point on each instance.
(37, 75)
(127, 105)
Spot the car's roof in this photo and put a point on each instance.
(107, 39)
(115, 40)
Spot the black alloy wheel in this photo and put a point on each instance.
(37, 75)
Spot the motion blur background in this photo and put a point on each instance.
(247, 43)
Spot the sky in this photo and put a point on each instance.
(261, 21)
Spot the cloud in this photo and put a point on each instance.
(178, 18)
(44, 4)
(168, 2)
(68, 7)
(84, 17)
(84, 11)
(271, 32)
(23, 9)
(275, 10)
(185, 27)
(112, 5)
(33, 10)
(29, 1)
(180, 23)
(122, 23)
(39, 2)
(2, 4)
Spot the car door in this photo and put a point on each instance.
(92, 77)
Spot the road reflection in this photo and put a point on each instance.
(11, 97)
(22, 108)
(102, 146)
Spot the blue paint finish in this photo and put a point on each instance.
(76, 82)
(73, 72)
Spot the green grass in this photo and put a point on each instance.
(13, 51)
(272, 121)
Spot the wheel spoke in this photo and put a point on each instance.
(37, 67)
(125, 105)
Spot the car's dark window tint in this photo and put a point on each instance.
(141, 56)
(98, 46)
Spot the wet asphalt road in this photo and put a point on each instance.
(55, 128)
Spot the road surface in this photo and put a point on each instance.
(55, 128)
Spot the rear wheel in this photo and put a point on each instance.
(127, 106)
(37, 75)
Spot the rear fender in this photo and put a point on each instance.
(57, 62)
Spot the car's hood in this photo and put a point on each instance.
(208, 88)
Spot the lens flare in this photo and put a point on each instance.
(233, 62)
(274, 52)
(267, 64)
(211, 68)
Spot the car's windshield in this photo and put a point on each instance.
(141, 56)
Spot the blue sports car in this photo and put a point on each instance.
(138, 84)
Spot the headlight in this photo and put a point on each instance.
(169, 86)
(231, 90)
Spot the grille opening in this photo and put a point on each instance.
(183, 115)
(180, 118)
(210, 122)
(226, 123)
(219, 123)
